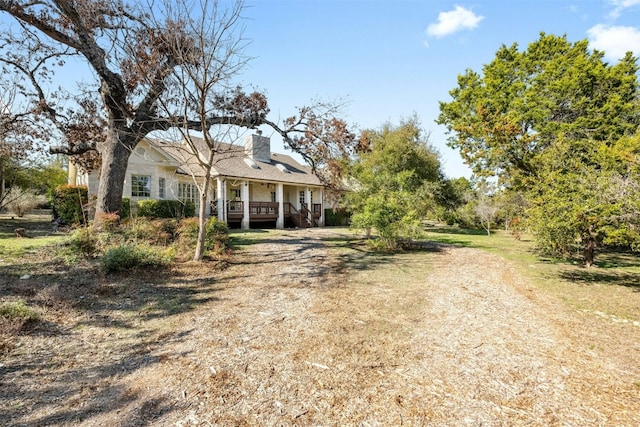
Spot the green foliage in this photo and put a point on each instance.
(395, 183)
(68, 203)
(587, 197)
(24, 185)
(125, 210)
(216, 233)
(125, 257)
(17, 310)
(166, 208)
(82, 243)
(558, 126)
(502, 120)
(336, 217)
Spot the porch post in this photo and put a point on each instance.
(222, 192)
(321, 220)
(307, 200)
(244, 196)
(280, 199)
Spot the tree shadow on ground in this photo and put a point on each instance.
(590, 276)
(111, 317)
(72, 394)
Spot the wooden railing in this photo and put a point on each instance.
(268, 211)
(263, 210)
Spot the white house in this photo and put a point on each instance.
(252, 187)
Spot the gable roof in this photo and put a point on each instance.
(231, 161)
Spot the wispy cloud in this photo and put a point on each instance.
(453, 21)
(614, 40)
(621, 5)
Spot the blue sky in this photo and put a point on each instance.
(390, 59)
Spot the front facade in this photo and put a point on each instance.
(250, 186)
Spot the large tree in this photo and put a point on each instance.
(125, 58)
(502, 119)
(547, 121)
(394, 182)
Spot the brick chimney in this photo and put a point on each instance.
(258, 147)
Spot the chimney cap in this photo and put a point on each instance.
(259, 132)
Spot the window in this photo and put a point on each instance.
(236, 194)
(161, 188)
(187, 192)
(140, 186)
(273, 196)
(302, 199)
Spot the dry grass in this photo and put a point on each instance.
(310, 328)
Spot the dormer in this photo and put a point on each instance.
(258, 147)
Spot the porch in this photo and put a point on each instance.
(268, 212)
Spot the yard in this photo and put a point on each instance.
(308, 327)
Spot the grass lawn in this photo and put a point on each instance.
(39, 231)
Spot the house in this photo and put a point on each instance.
(251, 186)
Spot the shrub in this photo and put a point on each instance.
(109, 221)
(82, 243)
(336, 217)
(69, 202)
(128, 256)
(154, 231)
(125, 210)
(17, 310)
(217, 232)
(15, 318)
(166, 208)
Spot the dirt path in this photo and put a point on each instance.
(451, 338)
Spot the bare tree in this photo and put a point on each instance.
(134, 53)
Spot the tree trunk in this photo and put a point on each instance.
(115, 152)
(589, 250)
(202, 218)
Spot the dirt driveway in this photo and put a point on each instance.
(296, 332)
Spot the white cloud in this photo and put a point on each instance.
(615, 41)
(621, 5)
(454, 21)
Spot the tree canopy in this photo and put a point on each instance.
(395, 181)
(502, 119)
(559, 125)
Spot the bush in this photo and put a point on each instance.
(125, 211)
(166, 208)
(336, 217)
(15, 318)
(217, 232)
(109, 222)
(69, 202)
(125, 257)
(153, 231)
(17, 310)
(82, 243)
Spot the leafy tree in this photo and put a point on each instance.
(547, 122)
(503, 119)
(588, 197)
(134, 57)
(394, 182)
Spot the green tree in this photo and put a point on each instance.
(554, 123)
(394, 182)
(503, 119)
(587, 197)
